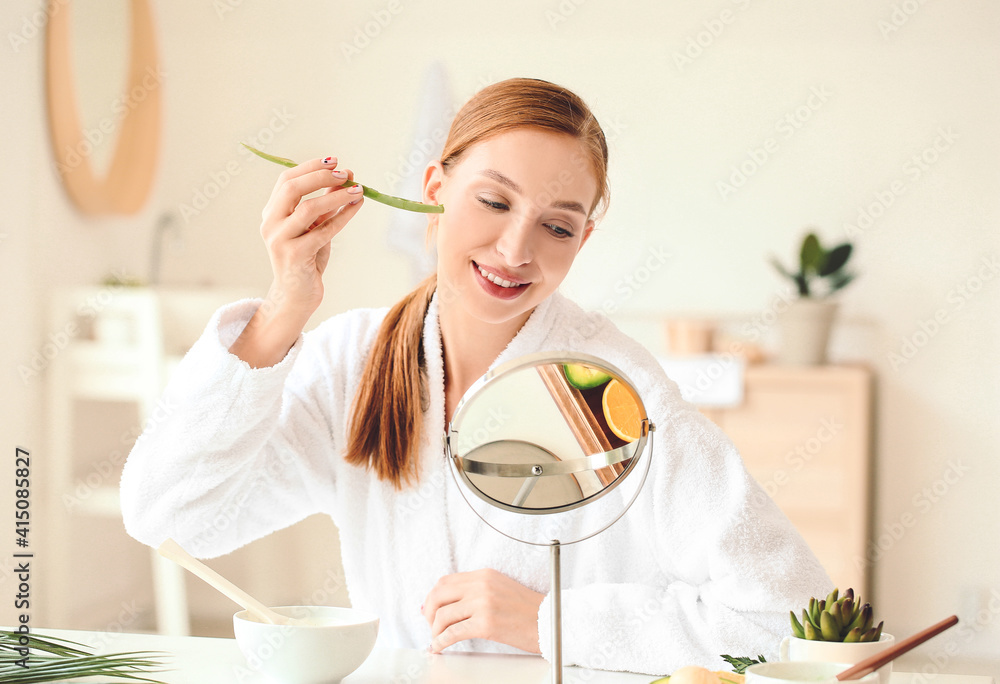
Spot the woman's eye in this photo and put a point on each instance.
(559, 231)
(499, 206)
(496, 205)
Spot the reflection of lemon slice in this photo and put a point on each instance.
(621, 410)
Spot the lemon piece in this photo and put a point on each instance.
(621, 410)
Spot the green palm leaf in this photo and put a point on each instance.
(55, 660)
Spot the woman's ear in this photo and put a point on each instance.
(433, 180)
(586, 234)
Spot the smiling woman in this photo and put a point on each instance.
(347, 420)
(519, 157)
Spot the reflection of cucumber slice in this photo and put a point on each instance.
(584, 377)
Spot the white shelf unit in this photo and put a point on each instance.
(123, 347)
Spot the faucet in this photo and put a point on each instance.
(156, 252)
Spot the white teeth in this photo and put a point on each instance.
(494, 279)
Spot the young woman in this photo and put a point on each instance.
(273, 425)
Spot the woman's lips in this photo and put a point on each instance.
(496, 289)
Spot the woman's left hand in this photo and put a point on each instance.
(482, 604)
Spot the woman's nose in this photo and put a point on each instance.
(514, 244)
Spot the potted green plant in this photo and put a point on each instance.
(836, 629)
(805, 325)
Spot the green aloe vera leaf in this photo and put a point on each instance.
(829, 626)
(832, 597)
(370, 193)
(797, 629)
(812, 633)
(878, 631)
(270, 157)
(853, 636)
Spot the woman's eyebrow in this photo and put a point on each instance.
(569, 205)
(507, 182)
(502, 179)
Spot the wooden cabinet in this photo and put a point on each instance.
(805, 434)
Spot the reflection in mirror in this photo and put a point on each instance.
(548, 435)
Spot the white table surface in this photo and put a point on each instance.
(203, 660)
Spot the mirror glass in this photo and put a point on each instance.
(99, 71)
(547, 433)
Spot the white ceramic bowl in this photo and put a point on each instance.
(795, 649)
(322, 653)
(802, 671)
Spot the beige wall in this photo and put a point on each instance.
(676, 128)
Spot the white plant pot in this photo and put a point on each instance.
(805, 331)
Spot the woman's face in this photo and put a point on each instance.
(516, 214)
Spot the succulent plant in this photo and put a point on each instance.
(818, 263)
(837, 619)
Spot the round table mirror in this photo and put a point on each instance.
(549, 434)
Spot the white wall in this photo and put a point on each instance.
(676, 129)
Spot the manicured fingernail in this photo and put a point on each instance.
(356, 201)
(340, 174)
(355, 189)
(330, 160)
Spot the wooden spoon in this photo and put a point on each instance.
(172, 550)
(872, 663)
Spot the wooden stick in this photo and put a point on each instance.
(869, 665)
(575, 410)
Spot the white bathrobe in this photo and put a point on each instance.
(703, 563)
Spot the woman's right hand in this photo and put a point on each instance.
(297, 233)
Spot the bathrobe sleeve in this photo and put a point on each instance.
(233, 453)
(730, 564)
